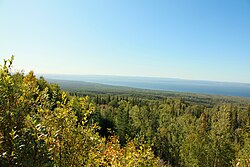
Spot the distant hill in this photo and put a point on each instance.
(93, 89)
(166, 84)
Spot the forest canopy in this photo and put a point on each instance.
(42, 125)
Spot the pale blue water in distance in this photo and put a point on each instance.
(166, 84)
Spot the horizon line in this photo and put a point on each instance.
(140, 76)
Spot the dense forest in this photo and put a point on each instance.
(43, 125)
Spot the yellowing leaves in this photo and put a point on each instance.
(40, 125)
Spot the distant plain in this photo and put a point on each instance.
(163, 84)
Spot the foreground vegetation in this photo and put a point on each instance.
(41, 125)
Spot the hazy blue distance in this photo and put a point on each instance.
(166, 84)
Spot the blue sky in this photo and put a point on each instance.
(188, 39)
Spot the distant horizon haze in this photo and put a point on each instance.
(164, 84)
(135, 76)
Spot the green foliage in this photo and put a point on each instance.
(183, 134)
(40, 125)
(222, 149)
(20, 100)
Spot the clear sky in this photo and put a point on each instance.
(188, 39)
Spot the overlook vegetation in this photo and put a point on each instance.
(42, 125)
